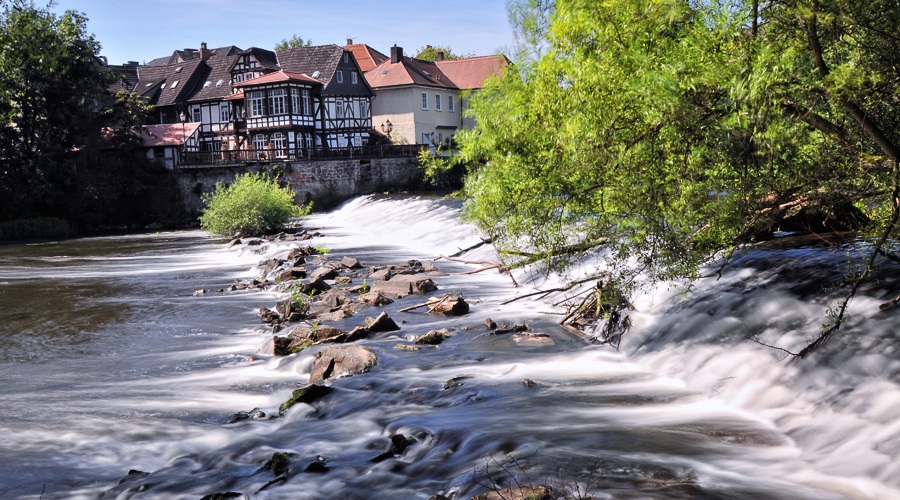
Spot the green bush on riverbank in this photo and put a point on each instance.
(253, 204)
(35, 228)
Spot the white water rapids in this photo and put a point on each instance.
(110, 364)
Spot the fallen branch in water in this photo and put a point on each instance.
(484, 241)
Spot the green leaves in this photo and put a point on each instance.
(252, 205)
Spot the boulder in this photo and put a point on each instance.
(383, 274)
(434, 337)
(341, 361)
(325, 272)
(381, 323)
(449, 306)
(306, 394)
(315, 286)
(399, 444)
(350, 263)
(419, 284)
(292, 273)
(376, 299)
(267, 315)
(394, 289)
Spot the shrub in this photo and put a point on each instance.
(254, 204)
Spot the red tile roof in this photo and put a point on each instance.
(408, 71)
(172, 134)
(471, 72)
(278, 76)
(366, 56)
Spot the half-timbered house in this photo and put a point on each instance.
(279, 113)
(342, 107)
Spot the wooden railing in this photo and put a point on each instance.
(202, 158)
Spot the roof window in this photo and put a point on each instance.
(316, 74)
(207, 84)
(174, 84)
(178, 69)
(219, 83)
(162, 86)
(384, 72)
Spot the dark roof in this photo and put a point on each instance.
(216, 68)
(309, 60)
(125, 78)
(156, 82)
(266, 58)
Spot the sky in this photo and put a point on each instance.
(144, 30)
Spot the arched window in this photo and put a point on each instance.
(260, 145)
(278, 141)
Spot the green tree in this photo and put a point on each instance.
(51, 82)
(253, 205)
(670, 132)
(430, 53)
(292, 43)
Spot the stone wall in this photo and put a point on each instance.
(324, 182)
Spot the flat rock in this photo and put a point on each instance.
(341, 361)
(533, 339)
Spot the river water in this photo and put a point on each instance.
(110, 364)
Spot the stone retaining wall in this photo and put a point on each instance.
(324, 182)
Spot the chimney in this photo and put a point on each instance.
(349, 41)
(440, 55)
(204, 52)
(396, 54)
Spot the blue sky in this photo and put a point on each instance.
(142, 30)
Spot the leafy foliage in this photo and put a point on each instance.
(292, 43)
(671, 131)
(50, 86)
(254, 204)
(430, 53)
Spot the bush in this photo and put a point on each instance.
(253, 205)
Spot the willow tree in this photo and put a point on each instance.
(673, 131)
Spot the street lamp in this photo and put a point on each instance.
(387, 127)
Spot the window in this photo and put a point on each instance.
(451, 105)
(340, 76)
(256, 103)
(223, 113)
(197, 115)
(277, 104)
(259, 144)
(238, 78)
(363, 109)
(207, 84)
(277, 142)
(339, 108)
(353, 78)
(219, 83)
(295, 102)
(437, 102)
(424, 100)
(174, 84)
(346, 57)
(309, 140)
(307, 109)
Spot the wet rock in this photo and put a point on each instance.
(535, 492)
(418, 284)
(528, 382)
(292, 273)
(267, 315)
(333, 316)
(343, 280)
(325, 272)
(335, 297)
(279, 464)
(315, 287)
(340, 361)
(406, 347)
(307, 395)
(489, 324)
(269, 265)
(317, 467)
(399, 444)
(381, 274)
(434, 337)
(236, 241)
(533, 339)
(449, 306)
(395, 289)
(456, 381)
(255, 242)
(254, 414)
(350, 263)
(381, 323)
(199, 292)
(297, 255)
(507, 328)
(376, 299)
(228, 495)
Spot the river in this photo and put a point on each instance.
(111, 364)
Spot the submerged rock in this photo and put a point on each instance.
(449, 306)
(434, 337)
(306, 394)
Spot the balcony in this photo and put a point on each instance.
(263, 156)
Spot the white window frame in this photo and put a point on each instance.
(363, 109)
(437, 102)
(307, 108)
(259, 144)
(353, 78)
(340, 76)
(451, 104)
(256, 103)
(278, 140)
(196, 114)
(295, 102)
(277, 102)
(424, 100)
(339, 108)
(224, 113)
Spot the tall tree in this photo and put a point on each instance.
(672, 131)
(430, 53)
(292, 43)
(51, 82)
